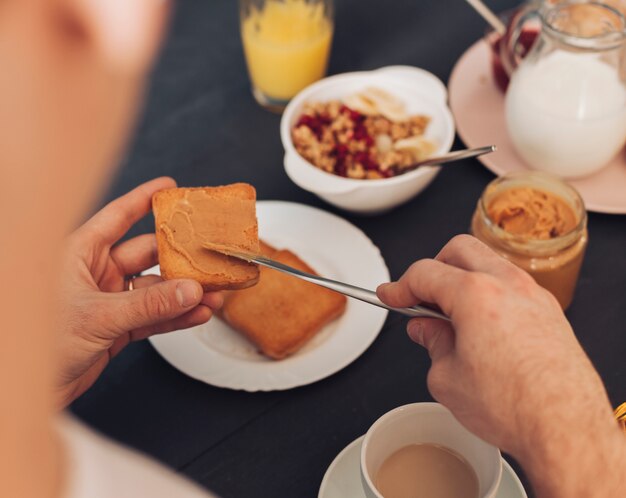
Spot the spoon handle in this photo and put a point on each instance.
(456, 155)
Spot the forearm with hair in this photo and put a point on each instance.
(586, 460)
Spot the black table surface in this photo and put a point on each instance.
(202, 127)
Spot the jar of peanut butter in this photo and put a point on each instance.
(539, 223)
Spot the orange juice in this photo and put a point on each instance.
(286, 45)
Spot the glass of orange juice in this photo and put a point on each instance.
(286, 44)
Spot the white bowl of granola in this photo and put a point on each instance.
(351, 138)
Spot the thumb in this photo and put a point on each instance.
(154, 304)
(436, 336)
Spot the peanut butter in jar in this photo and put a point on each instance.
(539, 223)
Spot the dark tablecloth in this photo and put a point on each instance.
(201, 126)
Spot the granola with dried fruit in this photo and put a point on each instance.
(368, 136)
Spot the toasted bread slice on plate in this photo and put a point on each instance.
(281, 313)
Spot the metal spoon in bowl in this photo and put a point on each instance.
(455, 155)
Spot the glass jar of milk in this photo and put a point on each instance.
(566, 103)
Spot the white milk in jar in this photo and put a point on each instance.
(566, 113)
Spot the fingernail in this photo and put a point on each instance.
(187, 294)
(416, 332)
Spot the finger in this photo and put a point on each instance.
(152, 305)
(426, 280)
(144, 281)
(197, 316)
(437, 336)
(116, 218)
(136, 255)
(213, 300)
(137, 282)
(469, 253)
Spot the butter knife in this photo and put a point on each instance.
(349, 290)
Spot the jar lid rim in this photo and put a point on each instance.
(554, 243)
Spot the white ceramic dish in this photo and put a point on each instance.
(342, 479)
(216, 354)
(421, 92)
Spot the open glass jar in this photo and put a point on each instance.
(553, 261)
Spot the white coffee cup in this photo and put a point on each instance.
(432, 423)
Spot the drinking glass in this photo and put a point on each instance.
(286, 45)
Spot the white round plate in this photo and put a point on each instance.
(343, 477)
(216, 354)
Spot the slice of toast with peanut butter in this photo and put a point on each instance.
(185, 218)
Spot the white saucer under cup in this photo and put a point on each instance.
(343, 476)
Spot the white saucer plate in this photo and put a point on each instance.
(478, 108)
(216, 354)
(343, 477)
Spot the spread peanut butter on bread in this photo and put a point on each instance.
(187, 219)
